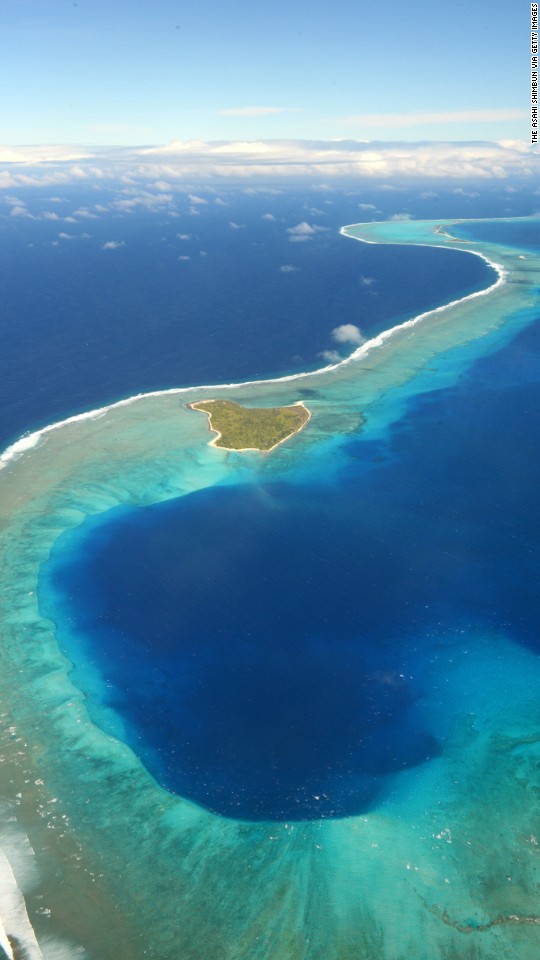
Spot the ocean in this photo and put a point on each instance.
(190, 300)
(286, 705)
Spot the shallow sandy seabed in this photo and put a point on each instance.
(114, 867)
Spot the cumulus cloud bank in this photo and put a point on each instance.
(196, 160)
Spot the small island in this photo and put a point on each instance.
(251, 428)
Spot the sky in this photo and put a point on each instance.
(147, 72)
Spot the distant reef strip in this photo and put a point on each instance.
(251, 428)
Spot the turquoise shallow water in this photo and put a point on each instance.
(443, 863)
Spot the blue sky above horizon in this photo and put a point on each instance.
(96, 72)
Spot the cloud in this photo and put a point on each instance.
(331, 355)
(21, 211)
(183, 257)
(85, 212)
(132, 198)
(367, 206)
(255, 111)
(303, 231)
(288, 268)
(348, 333)
(67, 236)
(400, 120)
(269, 216)
(43, 154)
(195, 200)
(50, 215)
(466, 193)
(183, 236)
(113, 244)
(185, 162)
(367, 281)
(401, 216)
(236, 226)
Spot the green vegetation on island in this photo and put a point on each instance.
(251, 428)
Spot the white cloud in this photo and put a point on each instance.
(401, 216)
(331, 355)
(113, 244)
(303, 231)
(132, 198)
(268, 216)
(50, 215)
(67, 236)
(183, 257)
(267, 191)
(183, 236)
(21, 211)
(466, 193)
(195, 200)
(236, 226)
(288, 268)
(367, 206)
(367, 281)
(85, 212)
(42, 154)
(348, 333)
(183, 162)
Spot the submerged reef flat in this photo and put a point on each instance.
(254, 428)
(443, 863)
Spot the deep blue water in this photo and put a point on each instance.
(83, 326)
(523, 234)
(268, 645)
